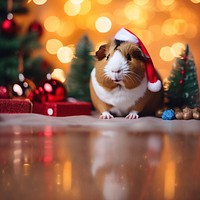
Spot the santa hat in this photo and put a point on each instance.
(154, 85)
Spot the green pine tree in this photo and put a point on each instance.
(183, 87)
(17, 43)
(81, 67)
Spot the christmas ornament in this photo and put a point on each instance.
(8, 27)
(168, 115)
(35, 27)
(22, 88)
(187, 113)
(3, 92)
(49, 90)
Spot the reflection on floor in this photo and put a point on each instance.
(92, 163)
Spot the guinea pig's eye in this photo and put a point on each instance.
(128, 56)
(108, 56)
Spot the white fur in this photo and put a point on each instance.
(116, 67)
(120, 97)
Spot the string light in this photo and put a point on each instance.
(39, 2)
(85, 7)
(132, 11)
(104, 2)
(107, 16)
(65, 54)
(168, 27)
(66, 28)
(166, 53)
(53, 45)
(103, 24)
(167, 2)
(195, 1)
(141, 2)
(177, 48)
(180, 26)
(59, 75)
(52, 23)
(76, 1)
(71, 9)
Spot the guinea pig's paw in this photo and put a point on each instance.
(132, 115)
(105, 115)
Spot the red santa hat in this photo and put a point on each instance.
(154, 85)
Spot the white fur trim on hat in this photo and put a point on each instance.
(155, 87)
(125, 35)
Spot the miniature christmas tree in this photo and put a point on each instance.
(14, 44)
(81, 67)
(183, 84)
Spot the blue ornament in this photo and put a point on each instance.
(168, 115)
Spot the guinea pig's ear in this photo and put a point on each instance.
(101, 53)
(139, 55)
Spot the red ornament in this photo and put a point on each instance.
(35, 27)
(9, 27)
(22, 88)
(49, 90)
(181, 81)
(3, 92)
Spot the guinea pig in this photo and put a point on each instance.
(118, 83)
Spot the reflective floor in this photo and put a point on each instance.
(82, 163)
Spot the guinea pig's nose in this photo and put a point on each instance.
(116, 71)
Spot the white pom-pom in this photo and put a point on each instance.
(155, 87)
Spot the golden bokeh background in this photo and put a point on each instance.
(164, 26)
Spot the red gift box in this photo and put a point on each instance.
(15, 106)
(61, 109)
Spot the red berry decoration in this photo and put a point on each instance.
(49, 90)
(3, 92)
(35, 27)
(9, 27)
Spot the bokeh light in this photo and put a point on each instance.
(166, 53)
(72, 9)
(52, 23)
(103, 24)
(85, 7)
(39, 2)
(195, 1)
(141, 2)
(104, 2)
(59, 75)
(76, 1)
(53, 45)
(167, 2)
(66, 28)
(132, 11)
(65, 54)
(164, 26)
(168, 27)
(177, 48)
(180, 26)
